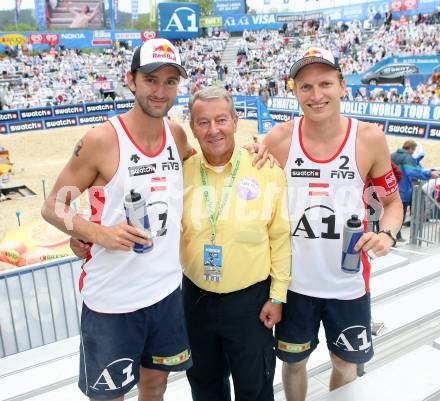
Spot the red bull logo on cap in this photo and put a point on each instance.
(312, 52)
(164, 51)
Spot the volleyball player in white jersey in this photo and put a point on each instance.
(132, 324)
(328, 159)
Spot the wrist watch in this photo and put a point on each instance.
(390, 234)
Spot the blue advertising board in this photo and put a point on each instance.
(179, 20)
(238, 23)
(409, 120)
(82, 39)
(226, 7)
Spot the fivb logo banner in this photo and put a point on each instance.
(179, 20)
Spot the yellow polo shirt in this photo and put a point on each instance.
(253, 229)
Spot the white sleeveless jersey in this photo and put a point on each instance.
(118, 281)
(322, 196)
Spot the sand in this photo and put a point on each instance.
(42, 155)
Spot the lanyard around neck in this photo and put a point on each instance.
(214, 214)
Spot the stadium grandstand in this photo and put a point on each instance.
(56, 77)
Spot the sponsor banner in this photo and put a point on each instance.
(61, 122)
(3, 129)
(97, 107)
(406, 129)
(92, 119)
(25, 126)
(281, 116)
(40, 14)
(50, 39)
(250, 114)
(238, 23)
(72, 109)
(391, 110)
(147, 35)
(182, 99)
(9, 115)
(134, 10)
(179, 20)
(28, 114)
(102, 38)
(124, 104)
(284, 103)
(403, 5)
(225, 7)
(126, 35)
(104, 85)
(211, 22)
(434, 131)
(13, 39)
(265, 120)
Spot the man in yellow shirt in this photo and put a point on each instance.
(235, 251)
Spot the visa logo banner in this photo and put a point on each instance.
(179, 20)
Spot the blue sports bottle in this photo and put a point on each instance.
(353, 230)
(136, 213)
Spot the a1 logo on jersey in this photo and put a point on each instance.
(343, 172)
(115, 375)
(354, 339)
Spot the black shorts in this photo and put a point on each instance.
(115, 345)
(347, 325)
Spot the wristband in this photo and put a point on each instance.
(275, 301)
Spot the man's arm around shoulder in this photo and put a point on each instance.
(278, 140)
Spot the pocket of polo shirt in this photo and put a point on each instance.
(252, 236)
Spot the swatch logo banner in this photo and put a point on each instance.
(406, 129)
(434, 132)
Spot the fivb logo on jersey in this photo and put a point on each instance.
(177, 21)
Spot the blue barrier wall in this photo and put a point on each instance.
(411, 120)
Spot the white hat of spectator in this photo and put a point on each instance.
(156, 53)
(314, 55)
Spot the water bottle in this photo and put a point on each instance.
(136, 212)
(353, 230)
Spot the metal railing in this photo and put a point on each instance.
(40, 304)
(425, 219)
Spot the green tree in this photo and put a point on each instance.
(206, 6)
(19, 28)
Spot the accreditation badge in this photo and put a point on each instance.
(212, 262)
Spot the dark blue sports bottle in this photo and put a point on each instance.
(136, 213)
(353, 230)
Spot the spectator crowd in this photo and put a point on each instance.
(261, 67)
